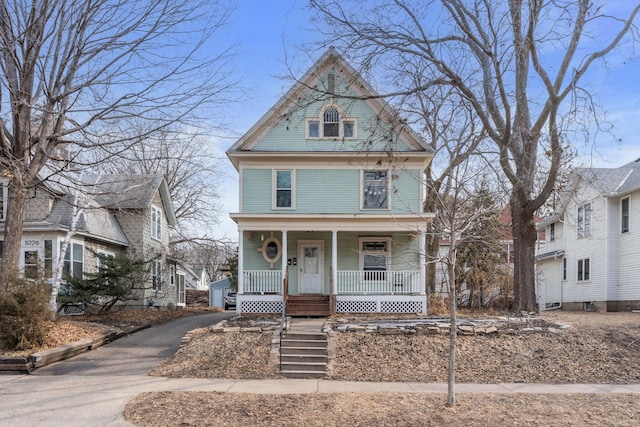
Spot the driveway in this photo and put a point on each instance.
(93, 388)
(136, 354)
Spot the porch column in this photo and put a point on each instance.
(240, 261)
(334, 259)
(284, 258)
(423, 261)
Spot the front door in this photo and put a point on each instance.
(311, 267)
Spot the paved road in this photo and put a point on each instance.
(92, 389)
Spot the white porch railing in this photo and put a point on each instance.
(378, 282)
(262, 281)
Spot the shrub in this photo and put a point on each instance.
(24, 313)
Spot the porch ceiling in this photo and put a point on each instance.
(330, 222)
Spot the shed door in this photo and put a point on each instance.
(311, 267)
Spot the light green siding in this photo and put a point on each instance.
(404, 253)
(334, 191)
(289, 132)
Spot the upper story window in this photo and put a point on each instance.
(156, 223)
(584, 220)
(552, 232)
(284, 189)
(331, 124)
(624, 215)
(375, 189)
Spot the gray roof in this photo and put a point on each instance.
(101, 195)
(612, 182)
(94, 221)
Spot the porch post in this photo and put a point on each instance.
(423, 265)
(240, 261)
(334, 259)
(284, 259)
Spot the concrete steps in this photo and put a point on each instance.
(303, 355)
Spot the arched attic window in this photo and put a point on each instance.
(331, 122)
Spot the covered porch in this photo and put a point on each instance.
(359, 264)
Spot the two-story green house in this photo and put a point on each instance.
(331, 201)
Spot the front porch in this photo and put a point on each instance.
(265, 291)
(362, 263)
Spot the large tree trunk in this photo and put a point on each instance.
(524, 245)
(12, 227)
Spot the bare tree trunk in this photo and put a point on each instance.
(451, 396)
(17, 197)
(524, 244)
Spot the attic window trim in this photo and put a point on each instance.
(315, 126)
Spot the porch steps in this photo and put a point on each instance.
(308, 305)
(303, 355)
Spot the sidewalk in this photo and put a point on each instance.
(75, 400)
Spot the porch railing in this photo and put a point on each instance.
(378, 282)
(262, 281)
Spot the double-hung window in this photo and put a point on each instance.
(156, 223)
(564, 269)
(624, 215)
(73, 260)
(374, 257)
(584, 269)
(375, 189)
(156, 275)
(584, 220)
(552, 232)
(284, 197)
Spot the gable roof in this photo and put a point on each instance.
(309, 82)
(609, 182)
(129, 192)
(613, 182)
(95, 221)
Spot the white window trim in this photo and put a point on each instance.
(155, 234)
(179, 275)
(320, 119)
(583, 280)
(274, 190)
(586, 208)
(623, 231)
(564, 269)
(157, 268)
(362, 171)
(172, 275)
(362, 252)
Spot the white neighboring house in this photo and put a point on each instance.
(592, 244)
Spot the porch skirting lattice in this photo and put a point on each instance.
(381, 304)
(344, 303)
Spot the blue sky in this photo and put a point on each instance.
(270, 35)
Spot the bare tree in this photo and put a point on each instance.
(187, 164)
(74, 72)
(519, 64)
(460, 213)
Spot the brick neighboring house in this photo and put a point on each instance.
(122, 214)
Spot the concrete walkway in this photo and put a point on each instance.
(72, 400)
